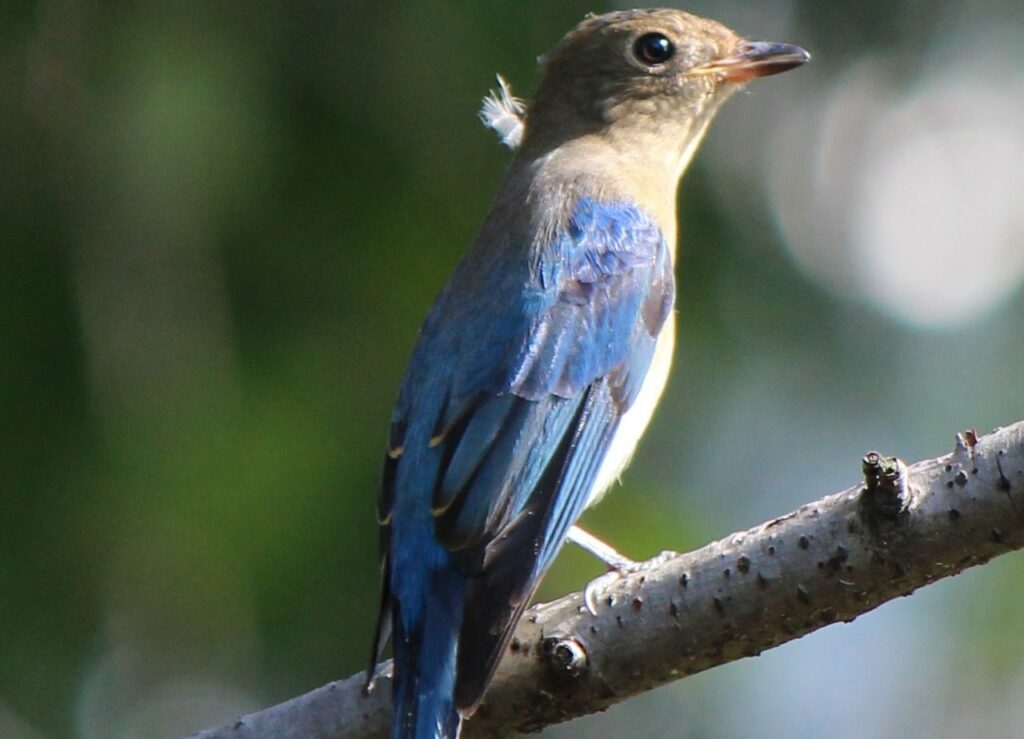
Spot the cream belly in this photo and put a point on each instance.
(633, 423)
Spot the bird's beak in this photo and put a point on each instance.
(755, 59)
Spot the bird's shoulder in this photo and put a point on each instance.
(546, 312)
(596, 257)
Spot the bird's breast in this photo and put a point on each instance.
(635, 420)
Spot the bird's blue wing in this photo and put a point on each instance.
(517, 392)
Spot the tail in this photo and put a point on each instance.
(425, 642)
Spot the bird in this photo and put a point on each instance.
(540, 363)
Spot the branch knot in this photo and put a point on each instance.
(565, 656)
(886, 494)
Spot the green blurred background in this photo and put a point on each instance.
(222, 224)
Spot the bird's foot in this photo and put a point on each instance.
(618, 564)
(601, 583)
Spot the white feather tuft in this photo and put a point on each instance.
(504, 113)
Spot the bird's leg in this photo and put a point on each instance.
(599, 549)
(618, 564)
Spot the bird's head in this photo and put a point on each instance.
(640, 74)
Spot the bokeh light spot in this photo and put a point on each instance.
(909, 201)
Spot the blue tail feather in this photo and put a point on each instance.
(425, 646)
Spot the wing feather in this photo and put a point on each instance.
(522, 397)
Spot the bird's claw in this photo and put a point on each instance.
(601, 582)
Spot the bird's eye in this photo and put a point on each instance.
(653, 48)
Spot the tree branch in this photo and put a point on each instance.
(828, 561)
